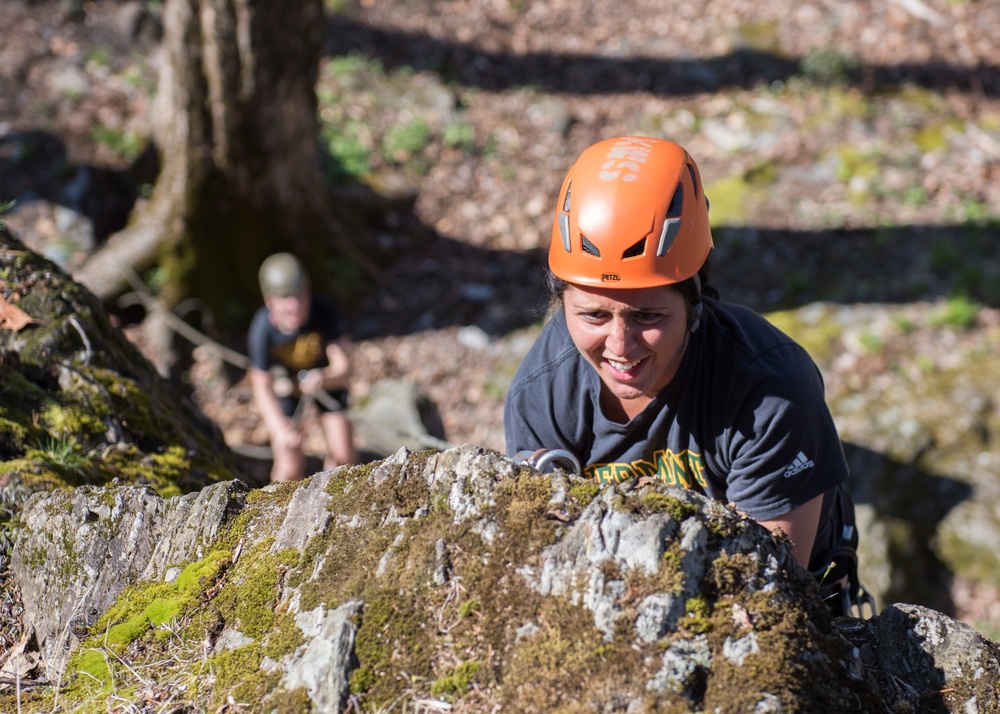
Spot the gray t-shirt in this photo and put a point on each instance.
(744, 420)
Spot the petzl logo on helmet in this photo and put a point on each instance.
(625, 159)
(606, 277)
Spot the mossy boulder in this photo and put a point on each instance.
(79, 404)
(462, 581)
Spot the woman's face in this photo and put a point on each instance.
(634, 338)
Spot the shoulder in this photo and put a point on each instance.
(552, 397)
(261, 321)
(259, 338)
(748, 337)
(743, 326)
(552, 358)
(750, 358)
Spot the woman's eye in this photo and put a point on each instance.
(648, 317)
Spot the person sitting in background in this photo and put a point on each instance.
(298, 353)
(641, 371)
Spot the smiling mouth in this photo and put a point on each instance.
(624, 367)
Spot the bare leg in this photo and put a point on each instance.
(289, 460)
(339, 440)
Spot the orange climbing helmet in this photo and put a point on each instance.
(632, 213)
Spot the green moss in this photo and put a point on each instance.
(584, 492)
(362, 679)
(284, 638)
(389, 620)
(58, 434)
(729, 197)
(934, 136)
(658, 502)
(71, 419)
(208, 596)
(958, 312)
(852, 163)
(151, 604)
(977, 563)
(567, 649)
(93, 663)
(697, 618)
(13, 433)
(458, 682)
(249, 603)
(760, 35)
(127, 632)
(787, 663)
(161, 611)
(294, 702)
(238, 675)
(469, 607)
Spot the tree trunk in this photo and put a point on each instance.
(235, 123)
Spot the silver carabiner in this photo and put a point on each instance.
(556, 458)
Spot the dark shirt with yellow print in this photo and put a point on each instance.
(304, 348)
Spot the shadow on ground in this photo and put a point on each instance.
(590, 74)
(443, 283)
(908, 505)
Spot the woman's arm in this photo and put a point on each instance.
(800, 525)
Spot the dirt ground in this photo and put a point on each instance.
(860, 115)
(538, 82)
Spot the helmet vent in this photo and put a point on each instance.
(694, 179)
(676, 203)
(671, 227)
(569, 188)
(564, 231)
(636, 250)
(589, 247)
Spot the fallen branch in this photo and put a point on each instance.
(922, 12)
(179, 326)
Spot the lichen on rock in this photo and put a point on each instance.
(453, 577)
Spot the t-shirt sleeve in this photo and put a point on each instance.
(526, 420)
(257, 340)
(542, 408)
(783, 446)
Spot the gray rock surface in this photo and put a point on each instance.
(78, 550)
(448, 580)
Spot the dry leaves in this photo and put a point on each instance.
(12, 317)
(18, 663)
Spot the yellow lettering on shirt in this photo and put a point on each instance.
(684, 468)
(304, 352)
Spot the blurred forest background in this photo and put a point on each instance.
(851, 153)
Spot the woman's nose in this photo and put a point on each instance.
(620, 338)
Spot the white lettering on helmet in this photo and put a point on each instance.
(624, 160)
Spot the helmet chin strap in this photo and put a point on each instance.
(695, 320)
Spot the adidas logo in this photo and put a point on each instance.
(800, 464)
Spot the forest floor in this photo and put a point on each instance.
(807, 120)
(828, 134)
